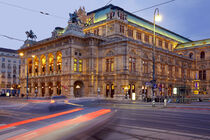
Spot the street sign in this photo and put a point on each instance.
(155, 85)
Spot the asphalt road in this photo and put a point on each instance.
(40, 119)
(141, 121)
(90, 119)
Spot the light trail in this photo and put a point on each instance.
(39, 118)
(46, 130)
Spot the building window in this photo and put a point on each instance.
(202, 55)
(80, 65)
(138, 35)
(162, 69)
(160, 43)
(75, 65)
(9, 66)
(122, 29)
(130, 32)
(145, 67)
(96, 31)
(170, 71)
(3, 65)
(110, 65)
(132, 64)
(166, 45)
(3, 59)
(202, 75)
(146, 38)
(191, 55)
(176, 71)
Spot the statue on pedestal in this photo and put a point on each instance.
(30, 34)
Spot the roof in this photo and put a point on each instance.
(100, 15)
(193, 44)
(8, 50)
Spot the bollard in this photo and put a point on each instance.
(165, 102)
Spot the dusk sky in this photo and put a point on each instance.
(189, 18)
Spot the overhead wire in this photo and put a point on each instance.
(12, 38)
(31, 10)
(153, 6)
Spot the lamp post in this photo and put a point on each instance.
(157, 18)
(27, 89)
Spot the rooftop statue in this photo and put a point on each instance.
(30, 34)
(74, 18)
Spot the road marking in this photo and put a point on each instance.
(194, 127)
(40, 118)
(164, 131)
(189, 108)
(53, 127)
(11, 134)
(67, 102)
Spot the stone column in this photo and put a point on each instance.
(26, 67)
(33, 67)
(47, 65)
(46, 89)
(54, 64)
(54, 88)
(32, 89)
(39, 89)
(39, 66)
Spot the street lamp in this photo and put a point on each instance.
(126, 90)
(156, 18)
(27, 89)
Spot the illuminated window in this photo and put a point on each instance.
(80, 65)
(75, 65)
(110, 65)
(59, 61)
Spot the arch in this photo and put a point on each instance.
(43, 63)
(29, 65)
(78, 89)
(36, 65)
(43, 89)
(132, 52)
(58, 88)
(51, 62)
(110, 89)
(36, 89)
(191, 55)
(50, 86)
(202, 55)
(109, 53)
(59, 61)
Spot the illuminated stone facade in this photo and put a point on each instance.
(113, 53)
(9, 71)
